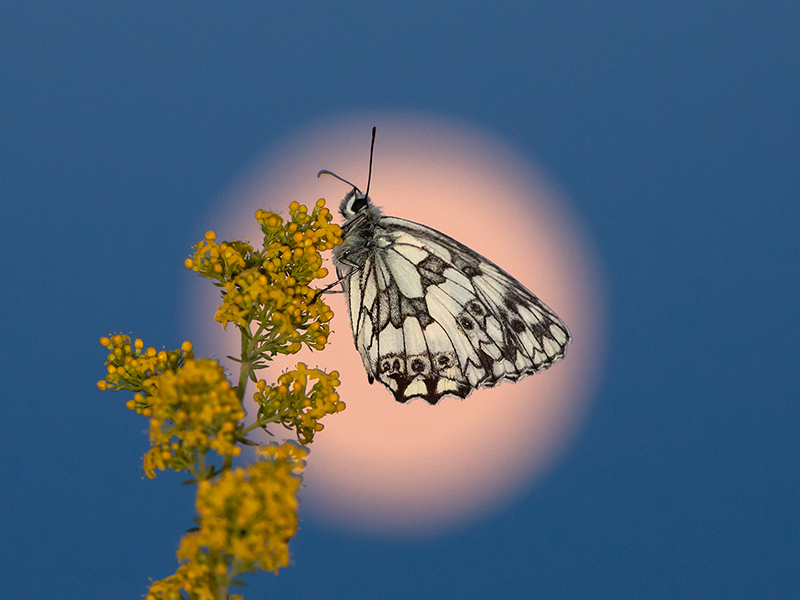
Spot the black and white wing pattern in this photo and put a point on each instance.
(430, 317)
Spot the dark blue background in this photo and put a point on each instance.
(672, 126)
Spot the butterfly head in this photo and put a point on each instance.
(354, 202)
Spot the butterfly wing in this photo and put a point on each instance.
(431, 317)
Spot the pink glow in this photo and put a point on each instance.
(414, 470)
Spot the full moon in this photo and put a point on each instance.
(415, 470)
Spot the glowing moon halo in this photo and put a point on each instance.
(415, 469)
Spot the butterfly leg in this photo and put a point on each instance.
(328, 289)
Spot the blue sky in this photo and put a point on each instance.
(672, 127)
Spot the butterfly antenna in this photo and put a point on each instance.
(371, 150)
(326, 172)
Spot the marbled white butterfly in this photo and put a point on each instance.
(430, 317)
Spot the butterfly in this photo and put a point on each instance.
(431, 317)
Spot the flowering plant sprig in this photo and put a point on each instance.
(270, 287)
(246, 515)
(290, 403)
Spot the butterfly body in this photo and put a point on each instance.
(431, 317)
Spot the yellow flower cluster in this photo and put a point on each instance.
(290, 403)
(196, 579)
(247, 518)
(251, 514)
(220, 262)
(271, 286)
(193, 409)
(130, 367)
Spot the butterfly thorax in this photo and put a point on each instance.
(362, 234)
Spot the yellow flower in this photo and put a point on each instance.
(130, 365)
(193, 409)
(247, 517)
(219, 261)
(290, 403)
(194, 577)
(272, 286)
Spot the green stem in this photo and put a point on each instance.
(245, 366)
(258, 424)
(201, 467)
(222, 591)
